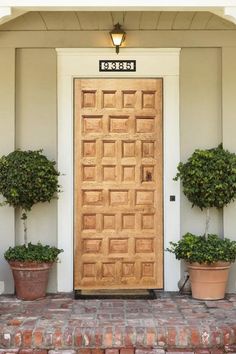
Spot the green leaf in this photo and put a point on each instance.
(192, 248)
(33, 253)
(209, 177)
(27, 178)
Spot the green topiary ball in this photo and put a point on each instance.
(27, 178)
(209, 177)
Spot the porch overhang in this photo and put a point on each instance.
(11, 9)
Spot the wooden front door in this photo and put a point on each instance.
(118, 184)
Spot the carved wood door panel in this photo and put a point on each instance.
(118, 184)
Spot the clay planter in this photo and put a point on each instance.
(208, 281)
(30, 278)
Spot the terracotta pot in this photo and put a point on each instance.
(31, 279)
(208, 281)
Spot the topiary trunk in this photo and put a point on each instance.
(24, 218)
(207, 222)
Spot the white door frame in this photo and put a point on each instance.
(150, 63)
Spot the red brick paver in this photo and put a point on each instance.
(171, 323)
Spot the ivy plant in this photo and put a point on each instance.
(32, 253)
(27, 178)
(194, 248)
(209, 179)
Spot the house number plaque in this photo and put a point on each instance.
(117, 65)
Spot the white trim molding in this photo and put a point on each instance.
(5, 11)
(9, 13)
(228, 13)
(150, 63)
(123, 5)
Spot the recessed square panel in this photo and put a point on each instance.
(92, 124)
(88, 270)
(128, 149)
(118, 246)
(108, 270)
(109, 173)
(144, 245)
(109, 222)
(109, 149)
(145, 124)
(92, 197)
(89, 148)
(129, 99)
(119, 197)
(147, 269)
(89, 173)
(144, 197)
(128, 269)
(109, 99)
(89, 221)
(119, 124)
(148, 99)
(128, 221)
(88, 99)
(128, 173)
(92, 245)
(147, 173)
(148, 149)
(148, 221)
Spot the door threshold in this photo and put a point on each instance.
(137, 294)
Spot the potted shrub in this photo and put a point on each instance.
(209, 180)
(27, 178)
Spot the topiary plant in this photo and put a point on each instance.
(27, 178)
(209, 179)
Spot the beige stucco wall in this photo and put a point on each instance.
(7, 144)
(229, 140)
(36, 128)
(200, 121)
(201, 105)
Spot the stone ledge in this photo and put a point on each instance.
(178, 336)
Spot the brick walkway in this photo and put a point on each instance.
(172, 322)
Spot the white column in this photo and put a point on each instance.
(171, 160)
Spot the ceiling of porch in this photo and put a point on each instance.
(140, 20)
